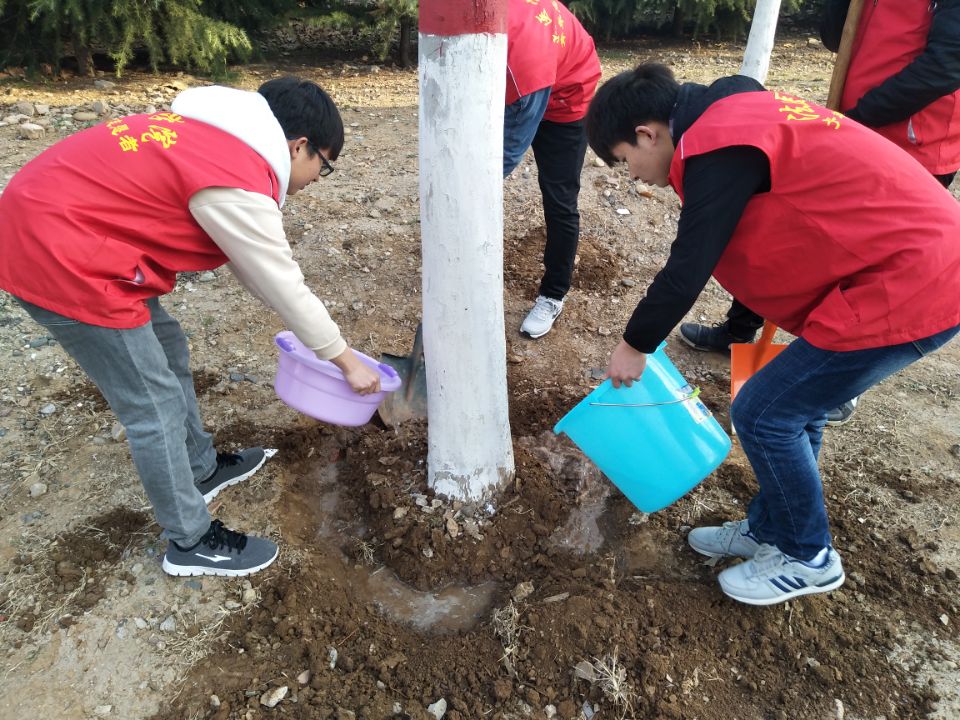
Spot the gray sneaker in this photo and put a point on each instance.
(541, 318)
(771, 577)
(220, 551)
(231, 469)
(732, 539)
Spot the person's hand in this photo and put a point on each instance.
(626, 365)
(363, 379)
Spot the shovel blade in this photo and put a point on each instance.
(747, 358)
(410, 401)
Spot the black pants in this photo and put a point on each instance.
(744, 323)
(559, 149)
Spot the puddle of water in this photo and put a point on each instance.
(452, 609)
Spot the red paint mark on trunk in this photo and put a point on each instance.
(463, 17)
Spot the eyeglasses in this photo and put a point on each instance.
(325, 167)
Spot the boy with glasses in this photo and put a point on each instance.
(96, 229)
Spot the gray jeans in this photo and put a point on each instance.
(144, 374)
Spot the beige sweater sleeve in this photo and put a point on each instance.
(248, 228)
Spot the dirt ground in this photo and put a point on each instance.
(564, 602)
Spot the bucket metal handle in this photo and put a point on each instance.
(693, 395)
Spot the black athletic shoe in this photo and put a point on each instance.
(231, 469)
(220, 552)
(842, 414)
(716, 338)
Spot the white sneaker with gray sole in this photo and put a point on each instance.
(541, 317)
(732, 539)
(772, 577)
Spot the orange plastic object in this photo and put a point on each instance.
(747, 358)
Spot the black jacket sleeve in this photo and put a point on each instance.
(932, 74)
(717, 187)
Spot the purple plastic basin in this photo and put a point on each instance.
(317, 387)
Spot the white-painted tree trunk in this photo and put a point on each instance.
(462, 85)
(756, 58)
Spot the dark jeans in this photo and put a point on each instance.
(559, 149)
(779, 416)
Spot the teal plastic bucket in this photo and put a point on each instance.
(657, 450)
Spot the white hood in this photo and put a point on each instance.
(246, 116)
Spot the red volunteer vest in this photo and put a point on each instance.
(890, 35)
(99, 223)
(846, 255)
(548, 47)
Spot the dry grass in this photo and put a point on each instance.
(611, 678)
(507, 627)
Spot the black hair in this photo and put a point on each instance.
(303, 109)
(635, 97)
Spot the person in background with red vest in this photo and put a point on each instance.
(904, 83)
(552, 71)
(95, 230)
(773, 192)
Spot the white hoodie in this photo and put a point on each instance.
(247, 226)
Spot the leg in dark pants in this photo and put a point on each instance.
(743, 322)
(559, 150)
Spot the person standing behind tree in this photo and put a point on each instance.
(552, 72)
(904, 83)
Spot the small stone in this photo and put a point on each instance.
(272, 697)
(25, 108)
(622, 211)
(599, 163)
(438, 709)
(232, 605)
(472, 528)
(400, 513)
(945, 619)
(38, 489)
(31, 131)
(627, 282)
(48, 409)
(453, 528)
(102, 710)
(214, 702)
(118, 432)
(207, 276)
(550, 711)
(332, 657)
(101, 107)
(84, 116)
(585, 671)
(236, 377)
(814, 42)
(428, 552)
(604, 331)
(515, 358)
(522, 591)
(104, 84)
(304, 677)
(194, 584)
(42, 108)
(249, 596)
(140, 623)
(136, 569)
(168, 625)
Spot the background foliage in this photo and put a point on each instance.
(206, 35)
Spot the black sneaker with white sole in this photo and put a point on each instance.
(232, 468)
(220, 551)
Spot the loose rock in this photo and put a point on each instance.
(272, 697)
(31, 131)
(438, 709)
